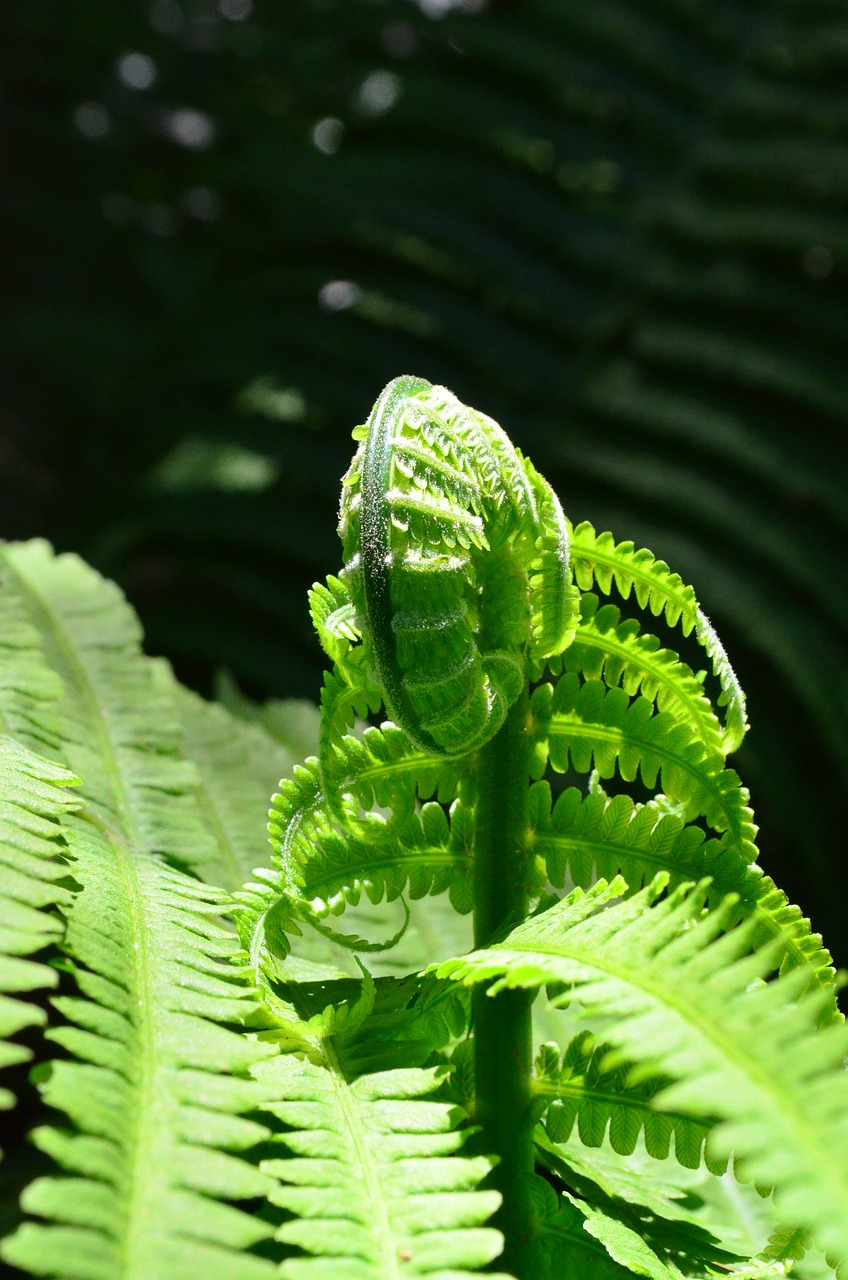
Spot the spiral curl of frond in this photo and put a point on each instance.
(456, 564)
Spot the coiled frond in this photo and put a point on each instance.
(449, 537)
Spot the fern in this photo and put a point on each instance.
(252, 1060)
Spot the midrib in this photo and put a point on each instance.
(385, 1242)
(145, 1171)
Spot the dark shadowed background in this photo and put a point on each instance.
(618, 226)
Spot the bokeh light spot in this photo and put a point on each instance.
(92, 120)
(136, 71)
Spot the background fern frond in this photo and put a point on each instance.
(119, 731)
(151, 1086)
(239, 766)
(33, 865)
(685, 1003)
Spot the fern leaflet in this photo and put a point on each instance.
(33, 864)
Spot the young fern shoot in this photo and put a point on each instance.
(463, 587)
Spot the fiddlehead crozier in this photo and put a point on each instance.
(456, 565)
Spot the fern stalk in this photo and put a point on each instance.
(502, 1026)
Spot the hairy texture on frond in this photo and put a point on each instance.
(333, 617)
(383, 767)
(34, 797)
(151, 1086)
(685, 998)
(578, 1085)
(586, 837)
(374, 1175)
(594, 727)
(554, 599)
(598, 560)
(119, 731)
(456, 562)
(620, 654)
(239, 766)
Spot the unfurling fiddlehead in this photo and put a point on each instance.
(455, 611)
(456, 565)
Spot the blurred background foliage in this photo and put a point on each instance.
(618, 226)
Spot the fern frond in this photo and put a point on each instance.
(383, 767)
(619, 653)
(119, 731)
(595, 836)
(598, 559)
(564, 1250)
(684, 998)
(238, 765)
(601, 728)
(448, 539)
(333, 617)
(34, 798)
(422, 854)
(580, 1086)
(662, 1248)
(151, 1086)
(374, 1175)
(323, 864)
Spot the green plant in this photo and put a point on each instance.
(223, 1104)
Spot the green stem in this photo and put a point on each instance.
(502, 1025)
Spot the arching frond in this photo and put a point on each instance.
(687, 1000)
(586, 837)
(598, 559)
(617, 652)
(29, 689)
(601, 728)
(119, 732)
